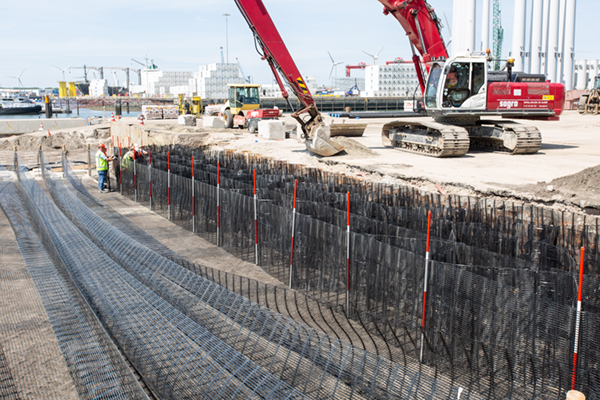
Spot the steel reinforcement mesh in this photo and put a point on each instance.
(188, 336)
(502, 292)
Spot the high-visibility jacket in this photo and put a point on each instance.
(129, 155)
(101, 163)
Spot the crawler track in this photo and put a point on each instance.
(505, 137)
(447, 137)
(429, 138)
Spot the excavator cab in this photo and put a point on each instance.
(460, 83)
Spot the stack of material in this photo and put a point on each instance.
(152, 112)
(169, 112)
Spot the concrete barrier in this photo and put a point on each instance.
(18, 126)
(271, 129)
(213, 122)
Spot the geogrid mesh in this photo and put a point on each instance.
(95, 364)
(174, 355)
(31, 364)
(313, 363)
(503, 277)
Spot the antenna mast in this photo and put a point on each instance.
(498, 36)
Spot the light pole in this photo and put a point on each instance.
(226, 37)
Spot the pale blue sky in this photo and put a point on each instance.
(180, 35)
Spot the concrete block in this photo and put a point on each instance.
(213, 122)
(187, 120)
(271, 129)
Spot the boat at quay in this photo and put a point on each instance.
(19, 106)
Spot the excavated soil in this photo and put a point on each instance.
(73, 140)
(582, 189)
(353, 149)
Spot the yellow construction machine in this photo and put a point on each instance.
(242, 109)
(190, 105)
(590, 102)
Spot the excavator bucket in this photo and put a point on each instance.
(347, 130)
(319, 142)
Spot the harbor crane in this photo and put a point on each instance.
(148, 66)
(85, 70)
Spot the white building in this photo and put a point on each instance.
(392, 80)
(98, 88)
(160, 82)
(212, 80)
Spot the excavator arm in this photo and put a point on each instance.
(282, 64)
(423, 28)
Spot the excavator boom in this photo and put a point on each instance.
(423, 28)
(281, 62)
(421, 24)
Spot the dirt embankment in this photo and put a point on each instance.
(581, 189)
(73, 140)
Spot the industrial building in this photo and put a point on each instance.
(397, 79)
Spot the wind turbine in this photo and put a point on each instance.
(63, 70)
(333, 70)
(18, 78)
(376, 56)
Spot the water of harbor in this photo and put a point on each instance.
(81, 113)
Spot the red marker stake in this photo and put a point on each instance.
(255, 222)
(121, 169)
(150, 176)
(134, 175)
(425, 285)
(193, 198)
(293, 225)
(577, 320)
(169, 184)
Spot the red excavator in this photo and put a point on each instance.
(460, 91)
(272, 48)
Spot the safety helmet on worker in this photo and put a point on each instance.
(102, 146)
